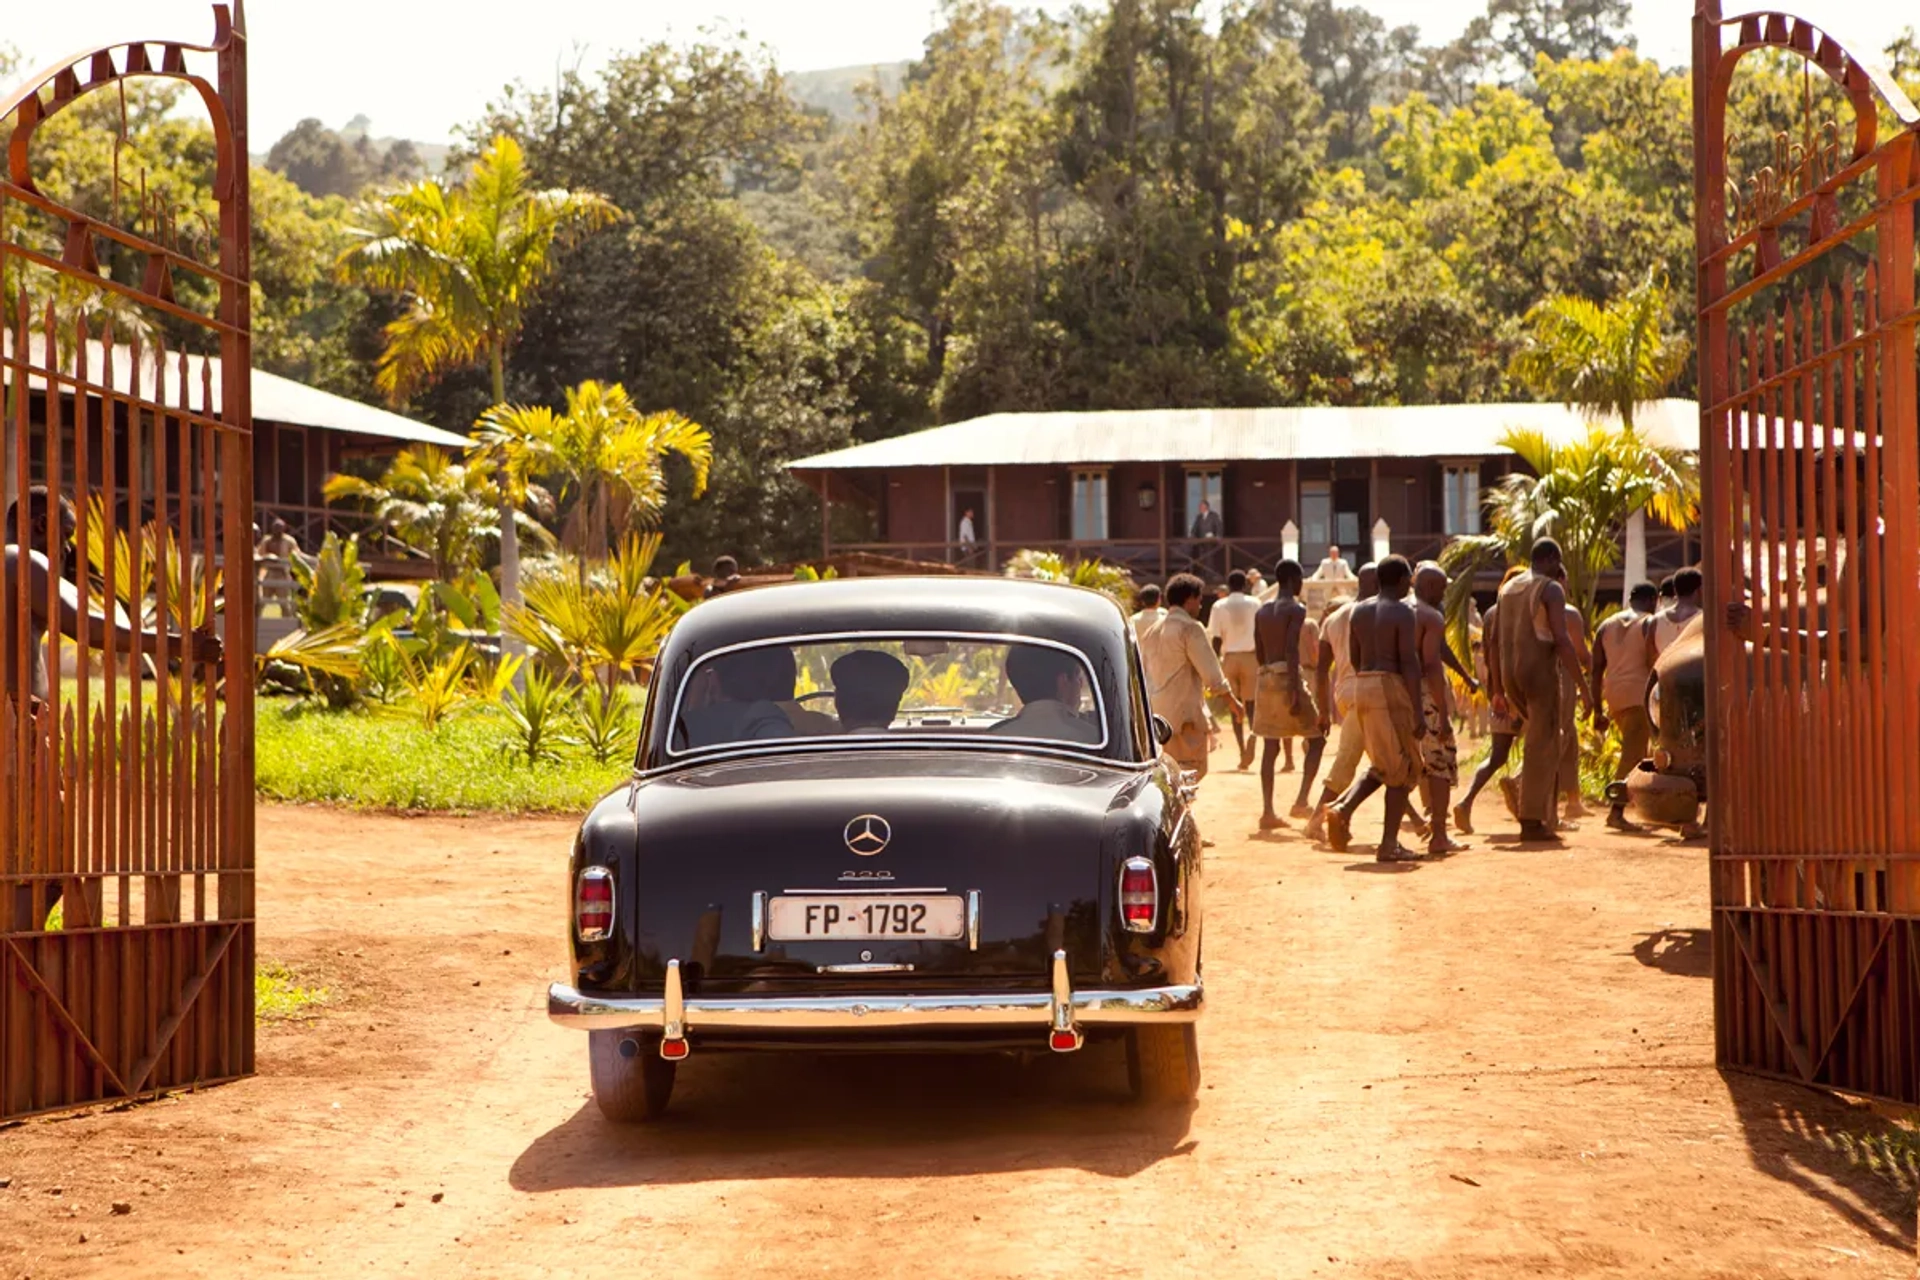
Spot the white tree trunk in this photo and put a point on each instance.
(509, 578)
(1635, 569)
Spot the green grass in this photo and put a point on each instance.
(278, 995)
(385, 760)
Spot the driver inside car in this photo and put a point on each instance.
(867, 688)
(751, 685)
(1049, 684)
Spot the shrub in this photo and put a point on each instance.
(605, 720)
(537, 711)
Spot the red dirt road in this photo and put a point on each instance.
(1494, 1066)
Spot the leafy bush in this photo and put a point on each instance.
(537, 711)
(605, 720)
(1114, 580)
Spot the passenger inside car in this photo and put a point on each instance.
(747, 690)
(1049, 684)
(867, 688)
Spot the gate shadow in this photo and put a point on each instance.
(1810, 1140)
(749, 1116)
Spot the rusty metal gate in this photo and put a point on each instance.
(1809, 435)
(126, 736)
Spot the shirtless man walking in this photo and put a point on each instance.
(1285, 708)
(1440, 754)
(1384, 638)
(1533, 653)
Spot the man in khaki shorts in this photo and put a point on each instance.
(1181, 671)
(1620, 673)
(1230, 627)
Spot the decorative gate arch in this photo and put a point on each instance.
(1809, 440)
(126, 770)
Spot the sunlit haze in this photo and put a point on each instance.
(417, 69)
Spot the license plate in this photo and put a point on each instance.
(864, 918)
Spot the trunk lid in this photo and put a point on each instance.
(859, 832)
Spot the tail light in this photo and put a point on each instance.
(593, 905)
(1139, 895)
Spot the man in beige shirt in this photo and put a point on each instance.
(1620, 672)
(1182, 670)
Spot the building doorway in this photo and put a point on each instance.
(1350, 520)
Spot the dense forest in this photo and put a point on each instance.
(1288, 203)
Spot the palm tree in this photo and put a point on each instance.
(1581, 494)
(1602, 360)
(467, 259)
(433, 504)
(602, 453)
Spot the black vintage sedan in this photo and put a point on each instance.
(889, 814)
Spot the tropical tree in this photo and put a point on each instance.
(1581, 494)
(610, 623)
(467, 259)
(438, 506)
(1598, 359)
(603, 454)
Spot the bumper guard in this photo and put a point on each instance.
(1060, 1011)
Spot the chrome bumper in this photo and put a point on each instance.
(1060, 1011)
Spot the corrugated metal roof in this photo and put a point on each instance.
(1238, 435)
(275, 399)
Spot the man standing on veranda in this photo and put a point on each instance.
(1533, 652)
(1230, 626)
(1181, 671)
(1620, 672)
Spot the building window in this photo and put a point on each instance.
(1204, 486)
(1316, 516)
(1089, 506)
(1460, 497)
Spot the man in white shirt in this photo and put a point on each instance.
(968, 541)
(1230, 627)
(1049, 683)
(1181, 671)
(1334, 665)
(1663, 628)
(1148, 611)
(1333, 568)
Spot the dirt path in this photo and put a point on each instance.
(1496, 1066)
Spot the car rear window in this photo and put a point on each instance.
(889, 687)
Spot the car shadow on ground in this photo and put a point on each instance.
(1819, 1144)
(1685, 953)
(745, 1116)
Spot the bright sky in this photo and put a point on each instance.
(419, 67)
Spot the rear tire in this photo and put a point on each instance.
(631, 1081)
(1163, 1064)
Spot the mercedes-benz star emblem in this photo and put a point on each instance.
(868, 834)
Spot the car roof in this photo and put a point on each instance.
(1046, 610)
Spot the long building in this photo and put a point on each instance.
(1126, 485)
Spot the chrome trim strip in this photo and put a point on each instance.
(876, 967)
(888, 892)
(830, 637)
(973, 919)
(759, 920)
(712, 757)
(569, 1007)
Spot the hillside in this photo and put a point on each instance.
(835, 90)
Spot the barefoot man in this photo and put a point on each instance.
(1439, 753)
(1384, 639)
(1534, 652)
(1284, 707)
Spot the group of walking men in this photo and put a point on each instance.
(1376, 669)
